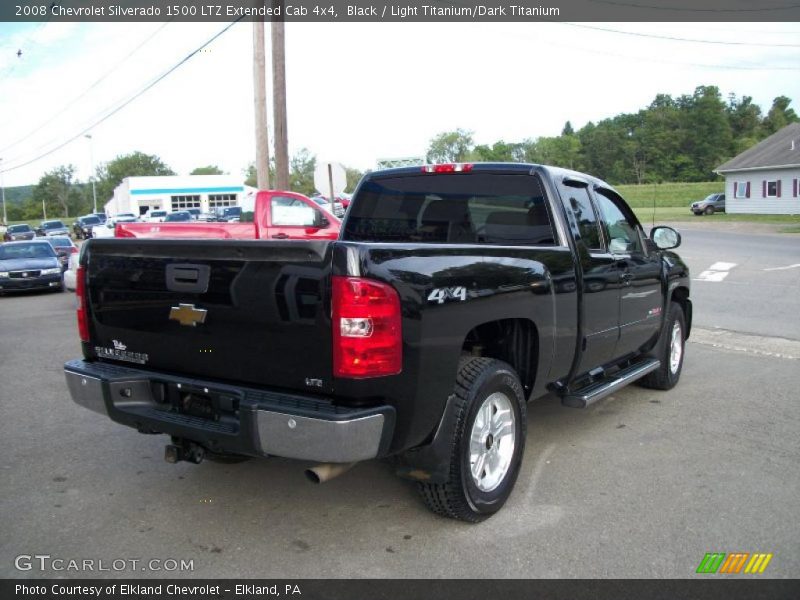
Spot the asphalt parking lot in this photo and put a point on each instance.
(642, 484)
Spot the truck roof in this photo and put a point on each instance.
(498, 167)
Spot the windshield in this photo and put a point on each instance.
(90, 220)
(52, 225)
(61, 242)
(34, 250)
(18, 228)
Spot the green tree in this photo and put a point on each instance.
(56, 191)
(136, 164)
(353, 177)
(207, 170)
(450, 146)
(780, 115)
(301, 172)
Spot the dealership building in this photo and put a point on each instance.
(137, 195)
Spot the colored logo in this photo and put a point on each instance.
(187, 314)
(734, 563)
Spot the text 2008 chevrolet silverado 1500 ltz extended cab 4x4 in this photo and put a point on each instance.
(454, 294)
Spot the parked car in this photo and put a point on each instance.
(195, 212)
(70, 275)
(15, 233)
(709, 205)
(48, 228)
(82, 227)
(28, 266)
(109, 229)
(154, 216)
(275, 215)
(180, 216)
(126, 215)
(453, 296)
(64, 247)
(228, 214)
(101, 215)
(338, 207)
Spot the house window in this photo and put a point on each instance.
(772, 189)
(218, 200)
(184, 202)
(741, 189)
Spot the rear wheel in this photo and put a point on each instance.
(670, 351)
(487, 444)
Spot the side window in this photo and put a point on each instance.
(622, 233)
(577, 200)
(291, 212)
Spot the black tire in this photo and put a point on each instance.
(459, 497)
(709, 210)
(665, 377)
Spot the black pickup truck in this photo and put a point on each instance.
(454, 294)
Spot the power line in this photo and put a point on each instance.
(87, 90)
(128, 101)
(670, 62)
(679, 39)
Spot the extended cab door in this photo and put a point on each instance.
(600, 276)
(291, 216)
(640, 297)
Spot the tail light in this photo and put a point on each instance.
(83, 314)
(367, 337)
(73, 249)
(448, 168)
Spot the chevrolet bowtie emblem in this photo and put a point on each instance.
(187, 314)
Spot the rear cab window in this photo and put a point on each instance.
(454, 208)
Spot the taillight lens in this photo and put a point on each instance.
(80, 294)
(73, 249)
(367, 337)
(448, 168)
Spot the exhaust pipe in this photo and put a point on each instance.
(327, 471)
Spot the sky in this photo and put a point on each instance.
(356, 92)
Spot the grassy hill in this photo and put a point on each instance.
(668, 194)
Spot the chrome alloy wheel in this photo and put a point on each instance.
(675, 348)
(491, 442)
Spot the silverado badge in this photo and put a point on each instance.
(187, 314)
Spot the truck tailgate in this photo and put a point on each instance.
(265, 319)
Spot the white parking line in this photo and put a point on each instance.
(794, 266)
(721, 266)
(716, 272)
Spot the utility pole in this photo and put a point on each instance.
(3, 192)
(279, 102)
(88, 136)
(260, 99)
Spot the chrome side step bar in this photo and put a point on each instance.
(600, 389)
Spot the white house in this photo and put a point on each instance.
(765, 178)
(137, 195)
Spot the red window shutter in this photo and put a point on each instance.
(747, 190)
(779, 188)
(764, 189)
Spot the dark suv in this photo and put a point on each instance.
(16, 233)
(709, 205)
(82, 228)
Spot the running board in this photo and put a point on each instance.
(600, 389)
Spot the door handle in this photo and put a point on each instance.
(281, 236)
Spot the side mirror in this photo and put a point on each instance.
(665, 238)
(324, 222)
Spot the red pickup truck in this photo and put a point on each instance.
(275, 215)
